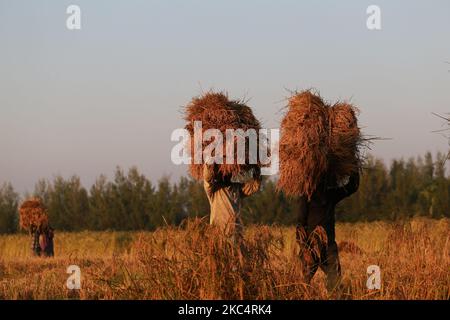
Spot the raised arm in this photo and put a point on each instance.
(252, 186)
(208, 180)
(347, 190)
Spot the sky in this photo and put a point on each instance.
(110, 94)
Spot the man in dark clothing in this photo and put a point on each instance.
(42, 241)
(49, 251)
(316, 229)
(35, 247)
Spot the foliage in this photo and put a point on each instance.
(416, 187)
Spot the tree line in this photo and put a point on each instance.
(415, 187)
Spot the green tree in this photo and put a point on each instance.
(369, 202)
(100, 204)
(68, 204)
(9, 201)
(162, 206)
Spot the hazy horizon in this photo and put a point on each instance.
(85, 101)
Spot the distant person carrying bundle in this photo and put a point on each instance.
(319, 165)
(34, 219)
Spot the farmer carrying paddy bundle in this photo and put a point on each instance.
(319, 165)
(34, 219)
(225, 196)
(225, 183)
(315, 231)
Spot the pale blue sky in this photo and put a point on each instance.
(82, 102)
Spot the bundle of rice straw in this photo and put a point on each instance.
(33, 214)
(216, 111)
(316, 140)
(345, 139)
(303, 145)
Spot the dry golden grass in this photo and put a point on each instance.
(193, 263)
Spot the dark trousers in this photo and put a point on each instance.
(318, 249)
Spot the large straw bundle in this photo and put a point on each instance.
(33, 214)
(345, 139)
(316, 140)
(216, 111)
(303, 144)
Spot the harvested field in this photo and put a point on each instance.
(192, 263)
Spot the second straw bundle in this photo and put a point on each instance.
(317, 140)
